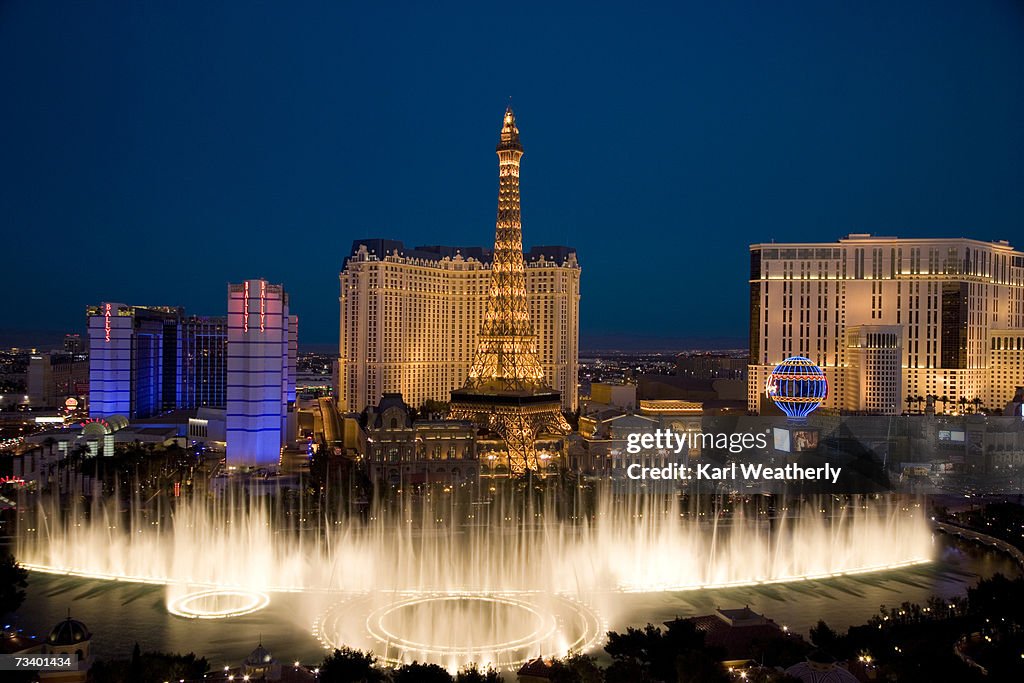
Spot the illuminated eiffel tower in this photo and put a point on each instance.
(505, 390)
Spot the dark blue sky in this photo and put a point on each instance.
(152, 152)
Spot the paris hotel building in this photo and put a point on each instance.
(410, 319)
(890, 318)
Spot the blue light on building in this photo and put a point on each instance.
(148, 360)
(132, 360)
(260, 388)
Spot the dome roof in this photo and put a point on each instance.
(68, 632)
(817, 672)
(117, 422)
(259, 656)
(818, 656)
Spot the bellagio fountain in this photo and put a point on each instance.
(454, 575)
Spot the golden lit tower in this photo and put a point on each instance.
(505, 390)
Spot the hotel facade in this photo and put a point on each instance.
(890, 318)
(262, 346)
(410, 319)
(148, 360)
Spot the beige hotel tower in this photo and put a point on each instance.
(411, 319)
(890, 318)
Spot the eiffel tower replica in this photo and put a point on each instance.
(505, 391)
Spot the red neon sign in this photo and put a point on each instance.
(263, 306)
(245, 309)
(106, 321)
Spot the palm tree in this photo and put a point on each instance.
(977, 404)
(77, 457)
(910, 402)
(943, 400)
(919, 400)
(962, 402)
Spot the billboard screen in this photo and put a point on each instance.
(804, 440)
(780, 437)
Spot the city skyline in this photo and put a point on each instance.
(910, 114)
(292, 390)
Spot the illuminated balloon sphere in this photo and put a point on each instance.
(797, 386)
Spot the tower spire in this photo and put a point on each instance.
(506, 357)
(509, 132)
(506, 388)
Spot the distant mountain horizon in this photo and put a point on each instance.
(593, 343)
(46, 340)
(648, 342)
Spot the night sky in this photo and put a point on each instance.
(153, 152)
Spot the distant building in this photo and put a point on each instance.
(956, 306)
(144, 361)
(742, 634)
(132, 359)
(57, 376)
(262, 337)
(719, 396)
(73, 343)
(204, 362)
(410, 318)
(874, 376)
(711, 366)
(602, 448)
(97, 437)
(605, 395)
(1006, 361)
(1015, 406)
(821, 667)
(261, 665)
(399, 449)
(69, 637)
(536, 671)
(987, 445)
(41, 463)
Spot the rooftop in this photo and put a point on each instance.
(857, 237)
(381, 247)
(739, 632)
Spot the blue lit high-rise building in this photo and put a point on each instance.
(262, 341)
(204, 362)
(148, 360)
(133, 367)
(292, 417)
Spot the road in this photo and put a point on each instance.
(332, 424)
(978, 537)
